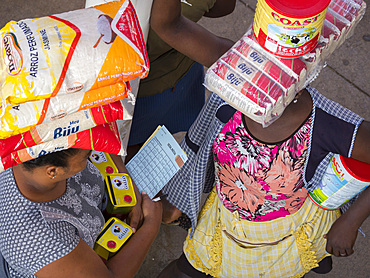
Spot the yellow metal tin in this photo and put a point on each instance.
(103, 162)
(112, 237)
(121, 194)
(286, 35)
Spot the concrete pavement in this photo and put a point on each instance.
(345, 79)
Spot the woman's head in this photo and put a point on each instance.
(60, 164)
(44, 178)
(59, 159)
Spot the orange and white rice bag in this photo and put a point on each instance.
(19, 118)
(63, 127)
(104, 138)
(78, 51)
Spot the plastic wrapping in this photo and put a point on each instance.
(22, 117)
(78, 51)
(255, 81)
(260, 84)
(63, 127)
(341, 18)
(104, 138)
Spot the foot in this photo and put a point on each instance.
(170, 212)
(325, 266)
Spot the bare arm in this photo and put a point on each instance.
(184, 35)
(361, 148)
(83, 262)
(342, 235)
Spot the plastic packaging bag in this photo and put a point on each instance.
(260, 84)
(104, 138)
(63, 127)
(78, 51)
(255, 81)
(22, 117)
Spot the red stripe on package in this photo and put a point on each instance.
(76, 51)
(63, 127)
(104, 138)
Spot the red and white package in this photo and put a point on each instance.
(341, 18)
(77, 51)
(326, 45)
(63, 127)
(20, 118)
(260, 84)
(349, 9)
(104, 138)
(254, 81)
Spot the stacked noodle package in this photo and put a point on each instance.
(260, 84)
(64, 80)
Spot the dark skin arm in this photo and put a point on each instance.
(83, 262)
(186, 36)
(343, 233)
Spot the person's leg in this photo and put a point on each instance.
(181, 268)
(325, 266)
(176, 108)
(170, 212)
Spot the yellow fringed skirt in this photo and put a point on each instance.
(223, 245)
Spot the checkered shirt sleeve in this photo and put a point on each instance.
(186, 187)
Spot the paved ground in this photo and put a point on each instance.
(345, 79)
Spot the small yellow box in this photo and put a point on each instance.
(112, 237)
(121, 194)
(103, 162)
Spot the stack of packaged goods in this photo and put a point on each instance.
(63, 78)
(280, 55)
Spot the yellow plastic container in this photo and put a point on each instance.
(103, 162)
(112, 237)
(120, 192)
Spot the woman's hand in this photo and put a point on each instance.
(343, 233)
(152, 211)
(135, 217)
(341, 238)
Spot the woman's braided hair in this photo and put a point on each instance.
(59, 159)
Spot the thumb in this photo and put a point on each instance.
(134, 221)
(144, 194)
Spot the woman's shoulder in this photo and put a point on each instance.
(332, 108)
(31, 242)
(90, 176)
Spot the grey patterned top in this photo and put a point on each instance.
(33, 235)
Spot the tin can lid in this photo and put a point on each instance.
(298, 8)
(109, 170)
(127, 198)
(111, 244)
(358, 169)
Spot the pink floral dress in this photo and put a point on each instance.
(261, 181)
